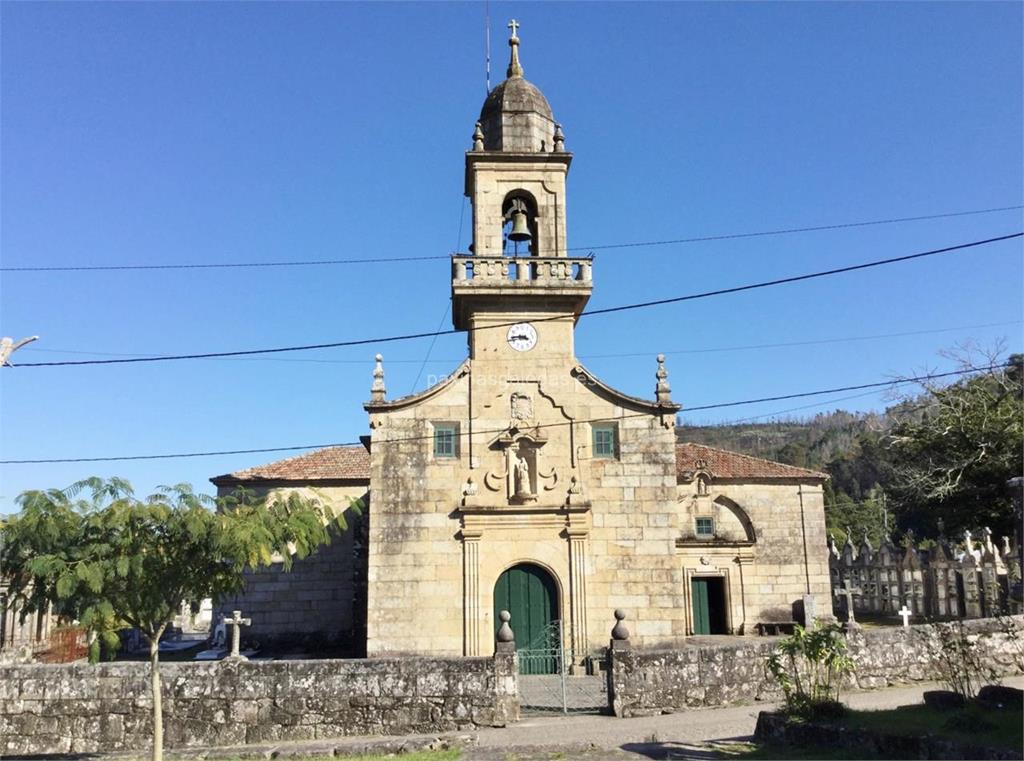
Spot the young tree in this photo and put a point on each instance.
(116, 557)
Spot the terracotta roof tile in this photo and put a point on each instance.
(724, 464)
(332, 463)
(353, 463)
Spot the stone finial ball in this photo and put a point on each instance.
(661, 357)
(619, 631)
(504, 616)
(379, 357)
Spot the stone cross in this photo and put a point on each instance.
(514, 26)
(236, 622)
(906, 615)
(849, 591)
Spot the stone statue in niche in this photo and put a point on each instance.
(702, 486)
(523, 485)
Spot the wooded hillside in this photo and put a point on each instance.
(935, 463)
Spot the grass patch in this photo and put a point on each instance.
(974, 724)
(756, 752)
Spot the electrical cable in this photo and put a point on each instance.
(897, 382)
(705, 350)
(586, 313)
(600, 247)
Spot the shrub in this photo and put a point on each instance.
(959, 663)
(809, 666)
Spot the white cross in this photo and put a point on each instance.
(906, 615)
(513, 25)
(236, 622)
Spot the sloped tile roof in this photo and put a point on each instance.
(724, 464)
(332, 463)
(353, 464)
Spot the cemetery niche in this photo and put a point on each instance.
(911, 585)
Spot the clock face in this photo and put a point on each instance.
(522, 336)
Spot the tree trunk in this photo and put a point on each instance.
(158, 713)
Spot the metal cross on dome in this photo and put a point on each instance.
(514, 26)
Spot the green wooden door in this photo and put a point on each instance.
(529, 593)
(701, 608)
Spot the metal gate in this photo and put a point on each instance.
(545, 684)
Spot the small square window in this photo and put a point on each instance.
(605, 440)
(446, 440)
(706, 527)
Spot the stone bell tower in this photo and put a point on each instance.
(519, 269)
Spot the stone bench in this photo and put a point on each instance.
(770, 628)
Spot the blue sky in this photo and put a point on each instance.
(148, 133)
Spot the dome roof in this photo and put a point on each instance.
(516, 95)
(516, 117)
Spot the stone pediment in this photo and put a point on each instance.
(603, 390)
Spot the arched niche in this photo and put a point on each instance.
(726, 509)
(730, 521)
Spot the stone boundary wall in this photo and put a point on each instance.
(646, 682)
(107, 707)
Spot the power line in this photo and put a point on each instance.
(448, 304)
(600, 247)
(587, 313)
(704, 350)
(225, 265)
(559, 424)
(792, 230)
(741, 421)
(812, 342)
(880, 384)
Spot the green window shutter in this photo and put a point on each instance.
(446, 440)
(605, 442)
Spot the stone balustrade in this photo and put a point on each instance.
(555, 271)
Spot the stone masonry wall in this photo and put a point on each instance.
(107, 707)
(656, 681)
(317, 597)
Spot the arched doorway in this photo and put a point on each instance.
(530, 594)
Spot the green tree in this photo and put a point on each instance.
(114, 557)
(952, 459)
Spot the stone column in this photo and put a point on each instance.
(471, 591)
(578, 591)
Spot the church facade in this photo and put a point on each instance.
(521, 481)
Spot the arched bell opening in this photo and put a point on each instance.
(519, 225)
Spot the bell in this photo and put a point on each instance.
(520, 231)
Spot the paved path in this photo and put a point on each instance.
(683, 735)
(689, 735)
(690, 726)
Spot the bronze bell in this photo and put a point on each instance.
(520, 230)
